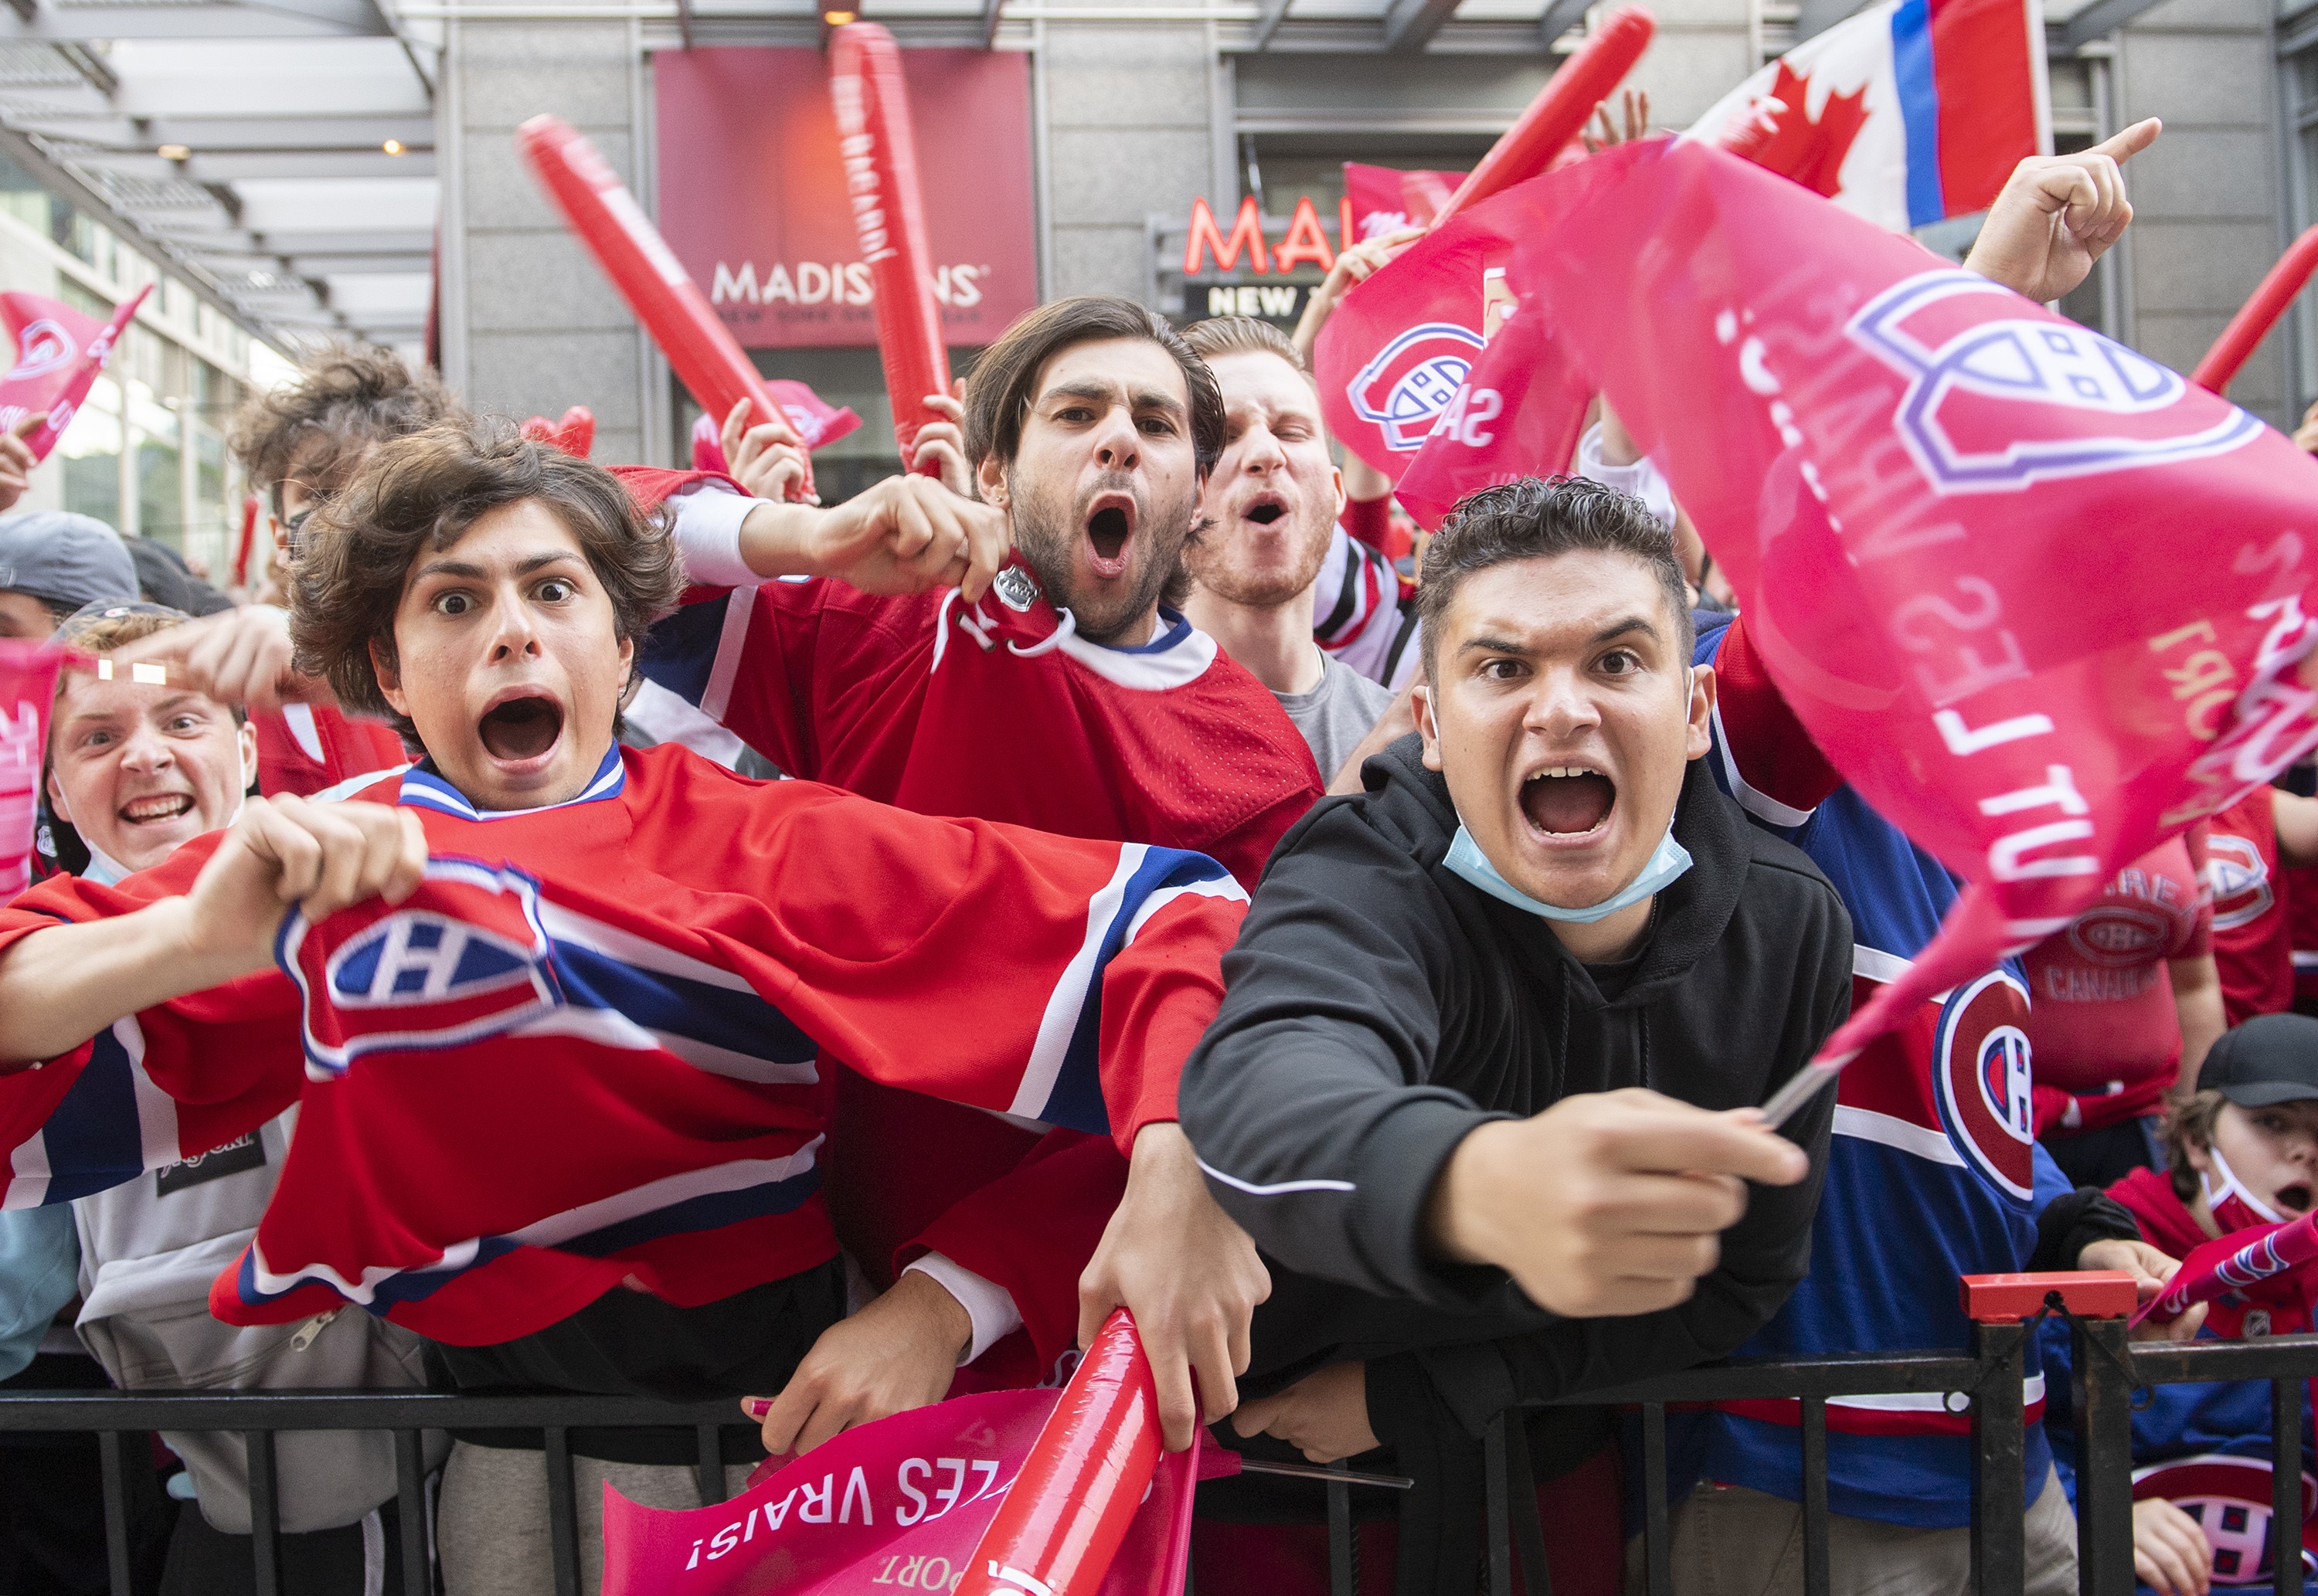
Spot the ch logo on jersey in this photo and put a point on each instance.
(2238, 876)
(1412, 380)
(46, 345)
(463, 958)
(1981, 1060)
(2117, 935)
(1997, 402)
(2229, 1497)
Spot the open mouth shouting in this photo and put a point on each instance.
(1567, 802)
(521, 728)
(1109, 531)
(1264, 510)
(2294, 1197)
(156, 809)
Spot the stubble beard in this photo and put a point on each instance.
(1047, 538)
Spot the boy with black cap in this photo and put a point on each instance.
(2242, 1154)
(52, 563)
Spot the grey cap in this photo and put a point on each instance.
(66, 559)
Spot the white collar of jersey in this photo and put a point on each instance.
(1179, 656)
(423, 787)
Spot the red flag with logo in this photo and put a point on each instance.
(815, 419)
(1384, 200)
(58, 353)
(900, 1503)
(1993, 561)
(28, 685)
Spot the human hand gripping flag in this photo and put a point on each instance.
(2234, 1262)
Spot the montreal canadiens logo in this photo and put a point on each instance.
(1981, 1059)
(2230, 1497)
(2239, 880)
(46, 345)
(417, 958)
(1997, 402)
(1413, 380)
(2117, 935)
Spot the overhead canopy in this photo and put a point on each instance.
(278, 157)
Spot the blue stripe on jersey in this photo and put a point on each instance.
(424, 787)
(1919, 109)
(1076, 1098)
(93, 1140)
(679, 651)
(736, 1021)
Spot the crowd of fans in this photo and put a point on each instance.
(1542, 886)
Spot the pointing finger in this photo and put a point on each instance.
(2130, 142)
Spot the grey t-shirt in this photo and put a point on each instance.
(1337, 714)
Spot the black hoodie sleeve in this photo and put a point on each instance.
(1307, 1100)
(1763, 1256)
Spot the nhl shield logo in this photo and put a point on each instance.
(464, 958)
(1982, 1061)
(1997, 402)
(1412, 380)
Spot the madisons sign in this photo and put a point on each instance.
(757, 200)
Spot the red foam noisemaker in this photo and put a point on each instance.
(2258, 314)
(1069, 1508)
(244, 545)
(881, 178)
(646, 272)
(1560, 110)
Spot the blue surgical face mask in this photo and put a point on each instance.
(1666, 864)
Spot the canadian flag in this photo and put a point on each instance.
(1911, 111)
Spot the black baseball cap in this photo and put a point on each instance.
(2271, 1058)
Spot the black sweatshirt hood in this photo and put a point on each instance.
(1411, 803)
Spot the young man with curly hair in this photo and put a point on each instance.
(551, 1010)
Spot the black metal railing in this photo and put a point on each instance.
(2106, 1373)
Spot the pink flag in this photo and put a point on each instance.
(58, 353)
(2233, 1263)
(816, 421)
(900, 1503)
(1382, 199)
(2040, 599)
(28, 685)
(575, 435)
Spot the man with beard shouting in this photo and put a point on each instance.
(1272, 505)
(1056, 686)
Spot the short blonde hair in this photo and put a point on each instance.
(1219, 336)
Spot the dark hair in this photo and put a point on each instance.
(998, 395)
(1538, 517)
(348, 398)
(420, 494)
(1242, 335)
(2189, 1126)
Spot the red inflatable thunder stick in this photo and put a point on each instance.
(1560, 110)
(2234, 1262)
(1069, 1508)
(880, 176)
(2258, 314)
(247, 541)
(607, 220)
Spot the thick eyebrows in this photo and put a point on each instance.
(1619, 628)
(467, 571)
(1491, 642)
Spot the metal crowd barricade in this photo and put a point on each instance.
(2107, 1374)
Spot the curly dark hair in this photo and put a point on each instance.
(348, 398)
(998, 395)
(418, 495)
(1537, 517)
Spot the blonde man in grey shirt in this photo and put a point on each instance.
(1270, 504)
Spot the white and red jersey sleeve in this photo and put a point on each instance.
(306, 748)
(1769, 762)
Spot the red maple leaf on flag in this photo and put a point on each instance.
(1810, 152)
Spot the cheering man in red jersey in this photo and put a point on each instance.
(1058, 687)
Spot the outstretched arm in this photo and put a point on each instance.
(60, 986)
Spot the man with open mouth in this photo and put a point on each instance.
(1494, 1030)
(552, 1011)
(1022, 658)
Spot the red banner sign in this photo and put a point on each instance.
(753, 195)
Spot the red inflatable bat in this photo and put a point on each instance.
(2258, 314)
(1560, 109)
(881, 176)
(1070, 1506)
(247, 541)
(647, 275)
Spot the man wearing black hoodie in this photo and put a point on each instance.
(1482, 1085)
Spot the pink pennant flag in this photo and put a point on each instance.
(898, 1504)
(2233, 1263)
(28, 685)
(58, 353)
(816, 421)
(2041, 600)
(1383, 200)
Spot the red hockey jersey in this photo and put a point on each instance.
(588, 1048)
(2253, 947)
(306, 748)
